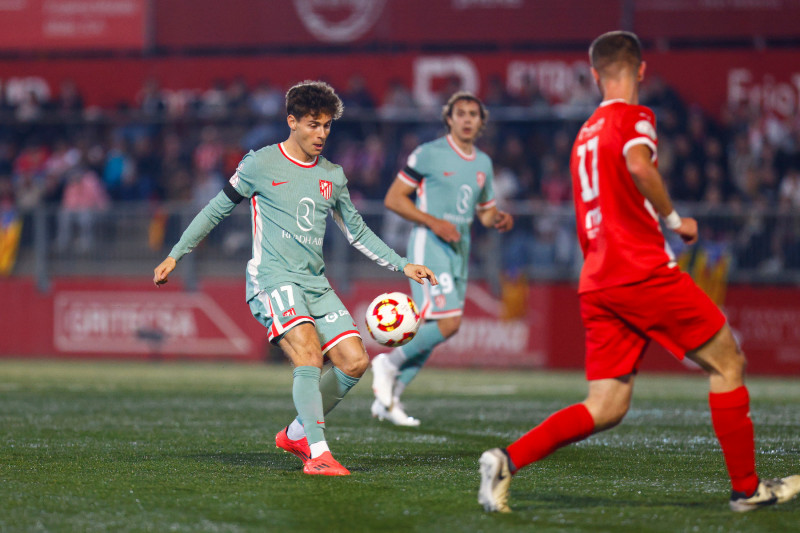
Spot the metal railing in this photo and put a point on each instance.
(130, 239)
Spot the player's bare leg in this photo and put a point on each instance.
(729, 400)
(608, 401)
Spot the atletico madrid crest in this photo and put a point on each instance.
(325, 189)
(481, 179)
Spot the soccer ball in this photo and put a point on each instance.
(393, 319)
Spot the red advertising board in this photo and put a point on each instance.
(254, 23)
(120, 318)
(72, 24)
(714, 19)
(767, 80)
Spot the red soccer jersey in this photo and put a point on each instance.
(617, 226)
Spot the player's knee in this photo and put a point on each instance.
(731, 361)
(356, 365)
(607, 413)
(611, 416)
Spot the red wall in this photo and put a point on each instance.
(86, 25)
(89, 318)
(255, 22)
(761, 79)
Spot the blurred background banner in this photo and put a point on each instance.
(126, 319)
(766, 80)
(58, 25)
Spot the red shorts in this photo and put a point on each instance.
(620, 321)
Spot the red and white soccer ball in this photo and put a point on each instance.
(393, 319)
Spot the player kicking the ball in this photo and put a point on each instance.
(291, 188)
(453, 181)
(631, 292)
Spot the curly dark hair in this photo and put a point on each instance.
(312, 98)
(447, 109)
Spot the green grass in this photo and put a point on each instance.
(88, 446)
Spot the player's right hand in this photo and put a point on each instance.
(687, 230)
(445, 230)
(419, 273)
(162, 271)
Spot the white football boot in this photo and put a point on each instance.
(769, 492)
(396, 415)
(384, 374)
(495, 480)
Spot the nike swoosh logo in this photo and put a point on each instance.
(278, 182)
(320, 422)
(448, 173)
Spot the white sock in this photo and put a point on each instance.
(396, 357)
(399, 387)
(318, 448)
(295, 431)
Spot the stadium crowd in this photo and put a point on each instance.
(180, 145)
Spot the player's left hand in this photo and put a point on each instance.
(503, 221)
(687, 230)
(419, 273)
(162, 271)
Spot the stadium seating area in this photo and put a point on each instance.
(176, 147)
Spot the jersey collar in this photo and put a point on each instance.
(297, 161)
(612, 101)
(459, 151)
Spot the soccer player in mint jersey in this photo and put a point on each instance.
(452, 180)
(291, 188)
(631, 292)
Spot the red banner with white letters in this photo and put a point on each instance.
(531, 326)
(765, 80)
(27, 25)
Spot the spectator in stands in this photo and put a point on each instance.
(84, 198)
(531, 95)
(397, 100)
(150, 100)
(214, 101)
(496, 93)
(119, 164)
(356, 96)
(69, 102)
(175, 181)
(266, 100)
(237, 96)
(790, 189)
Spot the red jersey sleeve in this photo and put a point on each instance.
(639, 127)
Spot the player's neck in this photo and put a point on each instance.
(293, 149)
(467, 147)
(621, 89)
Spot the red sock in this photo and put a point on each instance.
(563, 427)
(730, 415)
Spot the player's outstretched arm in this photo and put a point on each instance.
(162, 271)
(649, 182)
(419, 273)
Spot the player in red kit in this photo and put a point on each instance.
(631, 291)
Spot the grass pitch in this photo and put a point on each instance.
(88, 446)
